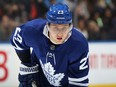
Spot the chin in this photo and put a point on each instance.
(59, 42)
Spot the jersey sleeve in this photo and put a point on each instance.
(17, 39)
(23, 38)
(18, 42)
(78, 71)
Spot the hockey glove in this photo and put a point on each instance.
(28, 76)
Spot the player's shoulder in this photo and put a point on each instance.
(78, 38)
(32, 29)
(35, 24)
(78, 45)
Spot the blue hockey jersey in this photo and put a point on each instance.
(64, 65)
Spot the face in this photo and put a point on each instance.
(58, 32)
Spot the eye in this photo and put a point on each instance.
(65, 28)
(55, 28)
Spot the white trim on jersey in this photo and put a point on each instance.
(45, 31)
(31, 50)
(78, 84)
(78, 79)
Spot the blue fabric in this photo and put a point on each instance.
(55, 66)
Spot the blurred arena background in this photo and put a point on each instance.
(96, 19)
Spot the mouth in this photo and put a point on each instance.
(59, 38)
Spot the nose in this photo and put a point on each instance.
(60, 34)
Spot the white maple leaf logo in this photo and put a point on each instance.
(48, 67)
(49, 72)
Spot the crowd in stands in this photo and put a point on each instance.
(96, 19)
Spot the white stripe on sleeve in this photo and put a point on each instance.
(78, 79)
(79, 84)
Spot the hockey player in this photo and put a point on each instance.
(52, 52)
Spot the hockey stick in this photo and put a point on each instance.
(34, 84)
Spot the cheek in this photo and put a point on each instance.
(51, 34)
(66, 34)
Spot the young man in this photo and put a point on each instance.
(59, 52)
